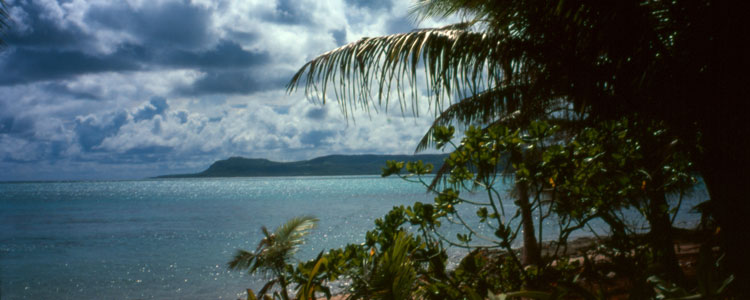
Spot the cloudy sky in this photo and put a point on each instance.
(101, 89)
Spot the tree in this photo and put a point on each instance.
(681, 62)
(274, 253)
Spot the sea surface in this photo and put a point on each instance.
(172, 238)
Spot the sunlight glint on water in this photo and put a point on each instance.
(168, 239)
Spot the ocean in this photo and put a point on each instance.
(172, 238)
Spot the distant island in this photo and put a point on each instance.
(321, 166)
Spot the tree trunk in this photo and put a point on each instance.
(724, 170)
(661, 237)
(283, 283)
(531, 254)
(724, 162)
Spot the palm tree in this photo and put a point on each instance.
(672, 61)
(458, 62)
(390, 275)
(275, 252)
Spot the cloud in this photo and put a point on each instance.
(399, 25)
(58, 88)
(16, 125)
(317, 113)
(233, 82)
(127, 89)
(316, 138)
(27, 65)
(92, 130)
(226, 54)
(40, 24)
(175, 24)
(156, 106)
(386, 5)
(339, 36)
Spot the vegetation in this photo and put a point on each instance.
(274, 254)
(595, 111)
(596, 174)
(673, 62)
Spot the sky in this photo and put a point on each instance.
(101, 89)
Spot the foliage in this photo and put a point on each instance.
(711, 283)
(595, 174)
(390, 275)
(274, 253)
(572, 179)
(599, 109)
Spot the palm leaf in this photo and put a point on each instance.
(473, 9)
(242, 260)
(276, 249)
(266, 287)
(290, 235)
(482, 108)
(373, 70)
(392, 276)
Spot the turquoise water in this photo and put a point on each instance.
(170, 239)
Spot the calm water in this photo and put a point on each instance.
(170, 239)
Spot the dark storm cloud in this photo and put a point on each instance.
(147, 151)
(339, 36)
(61, 89)
(16, 125)
(234, 82)
(44, 32)
(316, 113)
(23, 65)
(156, 106)
(371, 4)
(174, 34)
(226, 54)
(6, 124)
(49, 151)
(26, 65)
(172, 24)
(316, 137)
(399, 25)
(91, 131)
(242, 36)
(182, 116)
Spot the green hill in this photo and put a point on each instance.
(321, 166)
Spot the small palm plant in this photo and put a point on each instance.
(390, 275)
(274, 253)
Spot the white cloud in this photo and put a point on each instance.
(104, 120)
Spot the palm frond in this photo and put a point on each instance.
(276, 249)
(266, 287)
(242, 260)
(392, 276)
(371, 71)
(290, 235)
(482, 108)
(444, 8)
